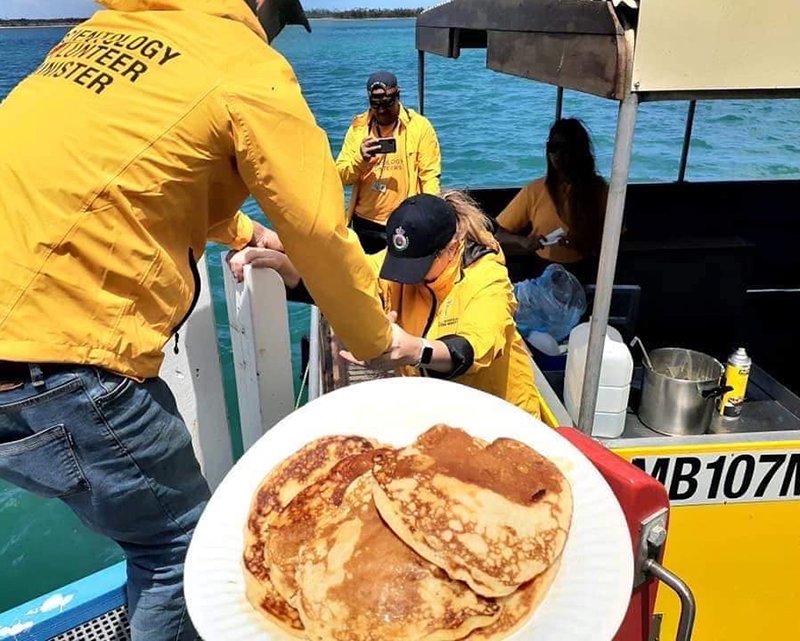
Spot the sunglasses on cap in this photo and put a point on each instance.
(378, 102)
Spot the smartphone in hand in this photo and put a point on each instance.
(553, 238)
(386, 146)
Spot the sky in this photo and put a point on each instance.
(84, 8)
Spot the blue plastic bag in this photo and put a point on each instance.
(553, 303)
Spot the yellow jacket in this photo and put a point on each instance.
(472, 299)
(134, 143)
(424, 160)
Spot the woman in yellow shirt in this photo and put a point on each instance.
(571, 197)
(442, 279)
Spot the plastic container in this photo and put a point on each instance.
(616, 372)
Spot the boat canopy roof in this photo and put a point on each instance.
(659, 49)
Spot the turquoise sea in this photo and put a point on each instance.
(492, 129)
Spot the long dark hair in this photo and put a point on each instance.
(583, 207)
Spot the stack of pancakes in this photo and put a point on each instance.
(449, 538)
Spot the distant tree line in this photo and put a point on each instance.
(348, 14)
(360, 14)
(39, 22)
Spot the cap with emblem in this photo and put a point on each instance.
(416, 232)
(381, 80)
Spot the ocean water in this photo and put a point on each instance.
(492, 129)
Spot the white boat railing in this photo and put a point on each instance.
(315, 385)
(259, 327)
(262, 356)
(194, 375)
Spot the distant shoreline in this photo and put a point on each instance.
(72, 24)
(364, 19)
(39, 26)
(21, 23)
(360, 14)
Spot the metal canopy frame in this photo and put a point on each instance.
(529, 39)
(579, 45)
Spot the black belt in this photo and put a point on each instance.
(17, 371)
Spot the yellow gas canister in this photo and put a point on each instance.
(737, 372)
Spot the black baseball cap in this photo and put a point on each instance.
(416, 232)
(381, 80)
(274, 15)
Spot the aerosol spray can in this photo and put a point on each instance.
(737, 371)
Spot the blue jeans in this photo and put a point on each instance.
(119, 454)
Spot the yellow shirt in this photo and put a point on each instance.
(534, 209)
(472, 299)
(385, 185)
(421, 158)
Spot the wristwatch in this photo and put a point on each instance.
(425, 354)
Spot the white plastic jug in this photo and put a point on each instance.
(616, 372)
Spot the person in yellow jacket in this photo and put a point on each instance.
(390, 152)
(443, 279)
(132, 144)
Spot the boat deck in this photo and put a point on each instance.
(338, 372)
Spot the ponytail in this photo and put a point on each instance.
(473, 224)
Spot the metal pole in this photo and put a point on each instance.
(687, 139)
(559, 102)
(421, 80)
(688, 604)
(626, 122)
(314, 356)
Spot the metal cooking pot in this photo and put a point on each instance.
(679, 391)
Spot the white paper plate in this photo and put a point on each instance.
(590, 594)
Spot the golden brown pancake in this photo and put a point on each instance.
(295, 525)
(278, 488)
(493, 515)
(518, 607)
(359, 582)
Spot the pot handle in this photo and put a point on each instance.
(716, 392)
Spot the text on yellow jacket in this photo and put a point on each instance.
(135, 142)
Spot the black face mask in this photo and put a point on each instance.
(274, 15)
